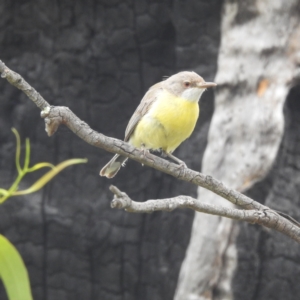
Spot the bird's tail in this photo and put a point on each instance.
(113, 166)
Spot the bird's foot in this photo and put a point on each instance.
(145, 152)
(163, 153)
(180, 162)
(182, 165)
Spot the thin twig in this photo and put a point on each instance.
(18, 81)
(268, 217)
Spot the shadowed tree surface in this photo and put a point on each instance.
(99, 58)
(258, 64)
(268, 265)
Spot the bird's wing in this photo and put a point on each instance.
(147, 101)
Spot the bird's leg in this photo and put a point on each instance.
(145, 151)
(163, 153)
(180, 162)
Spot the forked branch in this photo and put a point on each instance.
(252, 211)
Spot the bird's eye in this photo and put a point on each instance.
(187, 84)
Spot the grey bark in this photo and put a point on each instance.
(257, 66)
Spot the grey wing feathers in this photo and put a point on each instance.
(142, 109)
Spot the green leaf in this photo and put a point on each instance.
(3, 192)
(13, 272)
(13, 190)
(27, 154)
(18, 149)
(49, 175)
(39, 166)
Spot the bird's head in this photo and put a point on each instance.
(187, 85)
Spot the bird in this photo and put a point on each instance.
(165, 117)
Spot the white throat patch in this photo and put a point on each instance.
(192, 94)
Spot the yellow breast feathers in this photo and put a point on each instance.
(167, 124)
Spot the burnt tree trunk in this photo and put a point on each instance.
(258, 66)
(99, 58)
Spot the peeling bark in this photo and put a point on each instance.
(256, 68)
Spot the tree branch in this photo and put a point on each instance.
(267, 217)
(56, 115)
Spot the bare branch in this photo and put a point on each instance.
(18, 81)
(56, 115)
(267, 217)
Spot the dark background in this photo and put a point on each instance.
(99, 58)
(268, 262)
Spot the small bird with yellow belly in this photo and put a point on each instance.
(166, 116)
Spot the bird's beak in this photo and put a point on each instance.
(205, 85)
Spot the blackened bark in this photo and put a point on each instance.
(99, 58)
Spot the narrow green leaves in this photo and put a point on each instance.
(13, 190)
(13, 272)
(49, 175)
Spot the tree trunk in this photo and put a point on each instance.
(257, 66)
